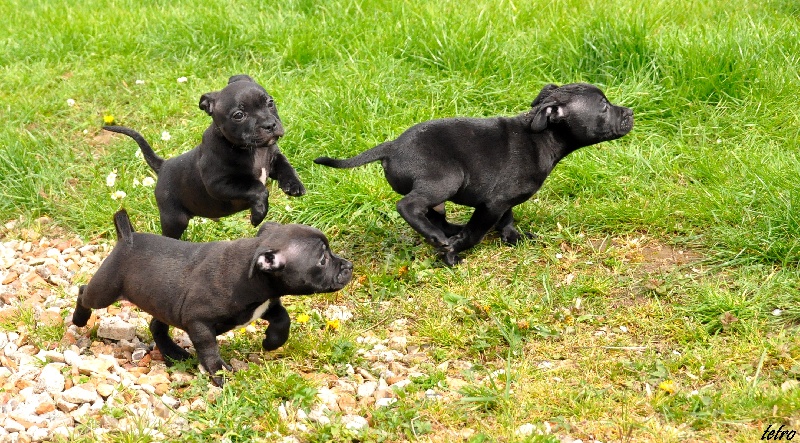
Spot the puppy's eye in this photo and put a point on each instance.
(238, 115)
(324, 260)
(271, 103)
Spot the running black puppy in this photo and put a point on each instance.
(207, 289)
(490, 164)
(227, 172)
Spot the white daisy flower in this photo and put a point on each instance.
(118, 195)
(165, 136)
(148, 181)
(70, 102)
(111, 178)
(182, 79)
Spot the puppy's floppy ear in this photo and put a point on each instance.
(543, 94)
(267, 260)
(207, 102)
(240, 78)
(265, 227)
(549, 112)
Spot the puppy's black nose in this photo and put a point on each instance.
(345, 273)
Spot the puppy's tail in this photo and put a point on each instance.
(370, 155)
(150, 156)
(124, 228)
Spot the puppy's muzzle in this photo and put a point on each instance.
(345, 273)
(268, 134)
(625, 122)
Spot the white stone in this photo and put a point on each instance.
(367, 389)
(79, 395)
(61, 432)
(52, 356)
(65, 406)
(282, 414)
(97, 405)
(317, 414)
(788, 385)
(383, 402)
(430, 394)
(199, 405)
(327, 396)
(170, 401)
(95, 366)
(51, 379)
(80, 415)
(352, 421)
(71, 357)
(115, 328)
(525, 429)
(38, 434)
(401, 384)
(12, 425)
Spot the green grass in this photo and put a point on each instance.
(711, 167)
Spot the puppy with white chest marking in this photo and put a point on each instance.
(490, 164)
(207, 289)
(227, 172)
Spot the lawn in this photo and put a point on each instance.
(659, 299)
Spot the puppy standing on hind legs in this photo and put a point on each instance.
(227, 172)
(490, 164)
(207, 289)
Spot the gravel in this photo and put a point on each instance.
(47, 393)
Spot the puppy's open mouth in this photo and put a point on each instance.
(266, 140)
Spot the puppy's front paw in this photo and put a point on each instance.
(218, 380)
(451, 258)
(293, 187)
(439, 241)
(258, 212)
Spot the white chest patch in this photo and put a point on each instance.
(263, 177)
(257, 313)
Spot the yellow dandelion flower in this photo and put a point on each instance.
(332, 325)
(667, 386)
(108, 119)
(302, 318)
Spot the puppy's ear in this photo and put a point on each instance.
(265, 227)
(267, 260)
(207, 102)
(240, 78)
(543, 94)
(544, 114)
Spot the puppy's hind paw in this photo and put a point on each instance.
(272, 342)
(81, 316)
(512, 237)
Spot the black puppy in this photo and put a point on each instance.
(207, 289)
(490, 164)
(227, 172)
